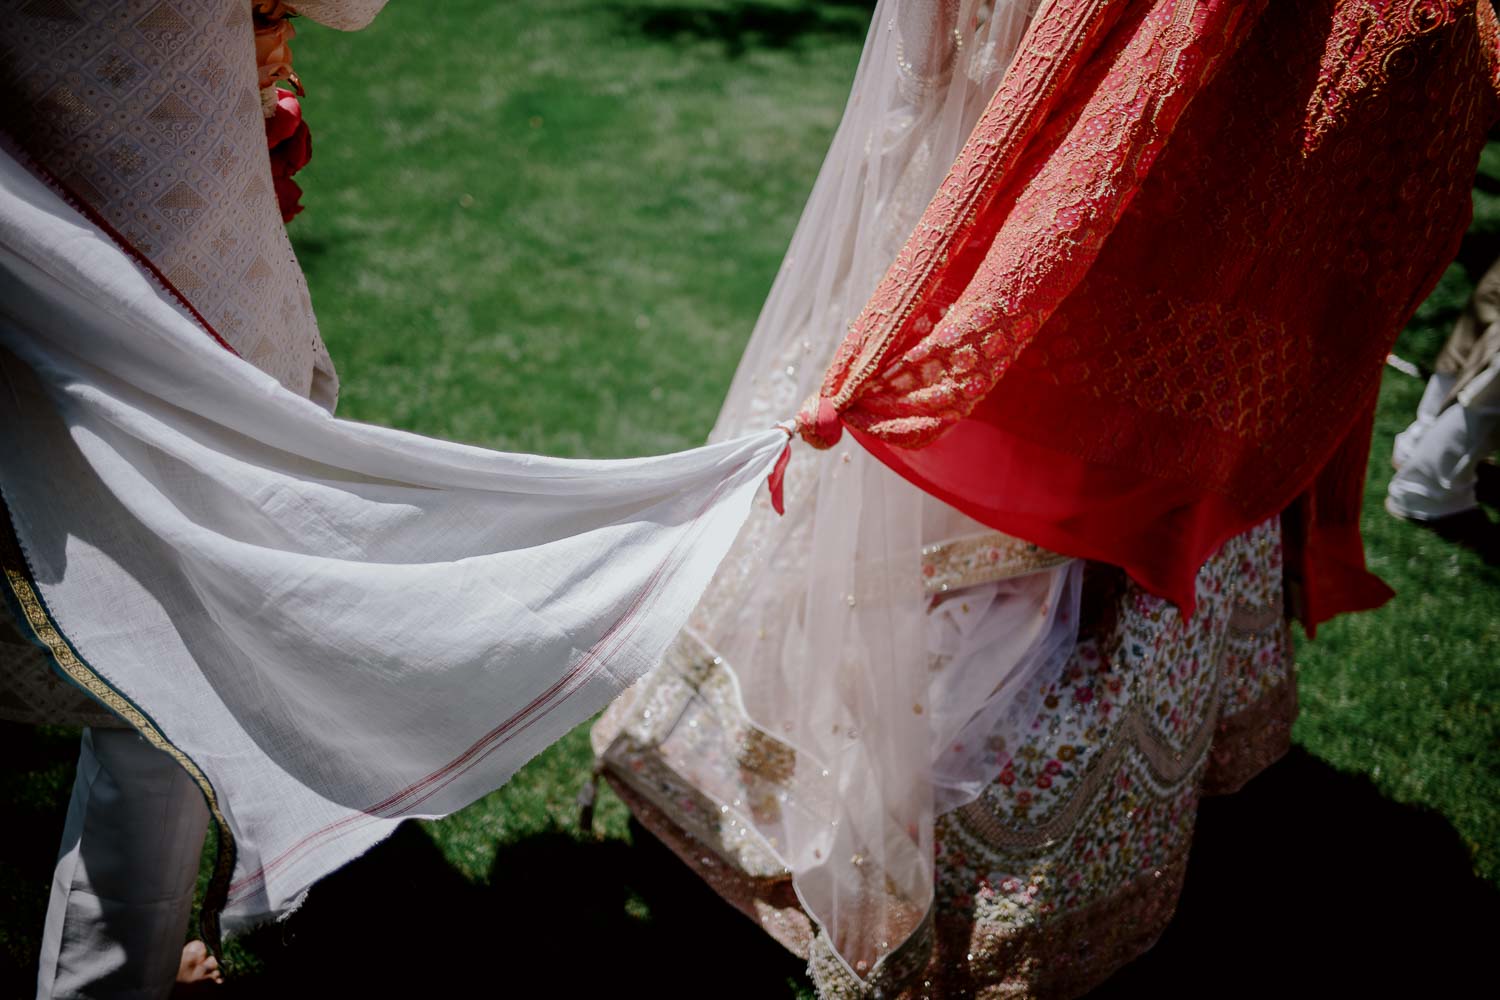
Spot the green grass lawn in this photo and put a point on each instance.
(548, 226)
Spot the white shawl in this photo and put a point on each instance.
(334, 626)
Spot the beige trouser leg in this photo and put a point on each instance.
(123, 888)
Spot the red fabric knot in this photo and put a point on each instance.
(819, 424)
(776, 481)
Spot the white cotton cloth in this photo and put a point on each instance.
(341, 625)
(1429, 408)
(1438, 456)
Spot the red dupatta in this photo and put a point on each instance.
(1149, 305)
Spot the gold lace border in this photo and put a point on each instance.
(33, 616)
(976, 559)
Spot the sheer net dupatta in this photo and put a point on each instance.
(855, 666)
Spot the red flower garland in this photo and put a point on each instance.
(290, 143)
(288, 138)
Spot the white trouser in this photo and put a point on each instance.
(123, 888)
(1428, 410)
(1439, 454)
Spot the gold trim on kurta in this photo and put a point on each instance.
(36, 617)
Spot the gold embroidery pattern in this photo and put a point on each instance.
(888, 977)
(1039, 75)
(766, 757)
(1359, 187)
(1086, 164)
(1069, 864)
(967, 562)
(35, 616)
(689, 710)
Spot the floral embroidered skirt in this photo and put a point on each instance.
(1068, 865)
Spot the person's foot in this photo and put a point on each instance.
(197, 969)
(1461, 516)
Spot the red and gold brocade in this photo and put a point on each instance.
(1148, 307)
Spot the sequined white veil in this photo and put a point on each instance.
(856, 667)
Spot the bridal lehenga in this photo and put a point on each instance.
(935, 759)
(848, 648)
(1068, 864)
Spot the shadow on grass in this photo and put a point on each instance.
(1480, 249)
(1487, 183)
(561, 917)
(1307, 877)
(1472, 530)
(749, 24)
(1308, 882)
(36, 778)
(1487, 489)
(313, 252)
